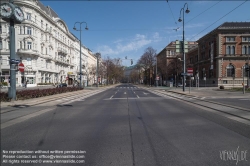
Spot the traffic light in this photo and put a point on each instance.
(131, 61)
(247, 69)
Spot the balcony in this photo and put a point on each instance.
(48, 57)
(63, 61)
(62, 50)
(28, 51)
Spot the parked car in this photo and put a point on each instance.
(62, 85)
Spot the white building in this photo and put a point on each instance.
(46, 47)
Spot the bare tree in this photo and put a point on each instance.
(113, 69)
(147, 62)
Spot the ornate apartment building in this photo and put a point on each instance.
(46, 47)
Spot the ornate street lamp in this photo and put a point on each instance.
(80, 71)
(183, 43)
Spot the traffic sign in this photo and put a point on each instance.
(21, 67)
(190, 70)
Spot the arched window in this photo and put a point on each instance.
(233, 50)
(230, 71)
(248, 49)
(228, 51)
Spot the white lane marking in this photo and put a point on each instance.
(115, 92)
(137, 96)
(134, 92)
(203, 98)
(111, 97)
(145, 93)
(244, 99)
(121, 98)
(124, 93)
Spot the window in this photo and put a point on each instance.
(230, 39)
(244, 50)
(29, 45)
(233, 50)
(191, 60)
(29, 32)
(246, 39)
(0, 29)
(41, 23)
(28, 16)
(230, 70)
(1, 44)
(8, 45)
(230, 50)
(35, 19)
(20, 45)
(28, 61)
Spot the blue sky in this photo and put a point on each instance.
(126, 28)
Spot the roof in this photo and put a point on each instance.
(47, 10)
(234, 25)
(229, 26)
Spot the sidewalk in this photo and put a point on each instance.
(201, 91)
(5, 106)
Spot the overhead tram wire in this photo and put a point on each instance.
(172, 13)
(203, 11)
(219, 19)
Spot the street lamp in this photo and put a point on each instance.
(98, 55)
(80, 71)
(183, 49)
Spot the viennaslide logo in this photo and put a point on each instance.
(233, 155)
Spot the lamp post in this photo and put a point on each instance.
(156, 79)
(183, 43)
(98, 55)
(80, 71)
(248, 79)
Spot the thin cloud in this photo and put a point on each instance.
(136, 43)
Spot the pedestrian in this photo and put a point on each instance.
(26, 83)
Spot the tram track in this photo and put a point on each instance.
(233, 112)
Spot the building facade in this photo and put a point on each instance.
(222, 56)
(46, 47)
(169, 62)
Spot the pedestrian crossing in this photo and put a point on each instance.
(126, 87)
